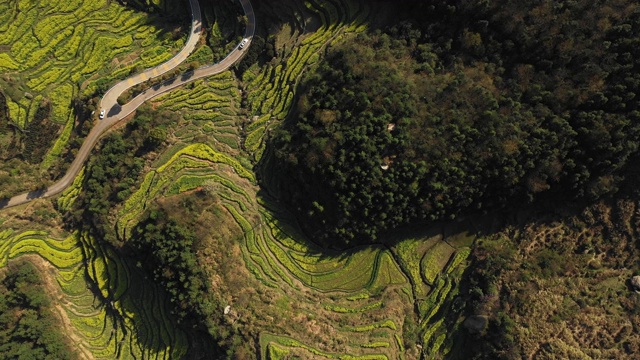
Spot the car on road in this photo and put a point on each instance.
(102, 114)
(243, 43)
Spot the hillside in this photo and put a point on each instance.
(53, 76)
(373, 181)
(557, 284)
(472, 108)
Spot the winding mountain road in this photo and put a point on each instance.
(115, 113)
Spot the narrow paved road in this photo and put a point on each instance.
(115, 113)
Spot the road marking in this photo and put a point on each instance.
(130, 81)
(143, 76)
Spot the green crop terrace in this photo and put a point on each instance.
(58, 50)
(338, 305)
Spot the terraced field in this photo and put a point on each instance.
(306, 301)
(101, 307)
(271, 88)
(75, 48)
(359, 299)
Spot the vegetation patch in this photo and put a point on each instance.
(456, 122)
(29, 328)
(102, 311)
(434, 261)
(286, 342)
(59, 53)
(581, 271)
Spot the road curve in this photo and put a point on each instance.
(205, 71)
(115, 113)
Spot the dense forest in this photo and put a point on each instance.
(470, 107)
(28, 328)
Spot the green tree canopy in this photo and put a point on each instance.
(431, 119)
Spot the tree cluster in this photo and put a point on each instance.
(166, 248)
(4, 114)
(39, 134)
(173, 10)
(28, 329)
(473, 106)
(225, 23)
(113, 172)
(167, 243)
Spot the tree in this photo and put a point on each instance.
(477, 125)
(28, 329)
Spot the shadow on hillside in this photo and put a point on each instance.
(286, 221)
(186, 76)
(167, 15)
(167, 82)
(288, 21)
(458, 233)
(276, 15)
(147, 304)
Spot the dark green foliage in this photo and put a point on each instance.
(39, 134)
(28, 329)
(260, 52)
(22, 149)
(4, 115)
(494, 103)
(173, 10)
(9, 147)
(165, 243)
(341, 141)
(113, 172)
(156, 137)
(34, 141)
(166, 248)
(229, 28)
(490, 258)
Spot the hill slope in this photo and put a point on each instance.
(462, 110)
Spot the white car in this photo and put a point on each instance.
(102, 114)
(243, 43)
